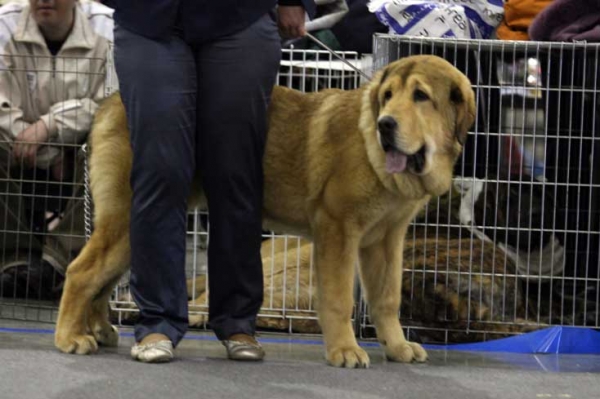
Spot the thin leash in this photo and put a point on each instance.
(335, 54)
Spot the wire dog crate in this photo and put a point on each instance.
(514, 247)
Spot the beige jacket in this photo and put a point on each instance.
(62, 90)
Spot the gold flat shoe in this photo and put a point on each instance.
(240, 350)
(156, 352)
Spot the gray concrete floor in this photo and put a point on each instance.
(30, 367)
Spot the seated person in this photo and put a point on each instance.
(53, 73)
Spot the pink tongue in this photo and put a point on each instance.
(395, 161)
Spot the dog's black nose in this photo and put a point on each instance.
(387, 124)
(387, 131)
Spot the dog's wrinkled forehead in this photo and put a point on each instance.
(397, 72)
(431, 71)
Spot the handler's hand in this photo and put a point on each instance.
(291, 21)
(28, 141)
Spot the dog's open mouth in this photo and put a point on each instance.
(397, 161)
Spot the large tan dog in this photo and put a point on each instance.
(347, 169)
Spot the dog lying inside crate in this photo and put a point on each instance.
(348, 170)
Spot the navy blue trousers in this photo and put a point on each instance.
(197, 105)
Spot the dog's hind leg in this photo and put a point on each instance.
(98, 321)
(381, 275)
(82, 316)
(116, 263)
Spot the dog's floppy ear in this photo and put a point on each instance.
(463, 99)
(374, 94)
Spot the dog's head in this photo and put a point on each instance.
(418, 110)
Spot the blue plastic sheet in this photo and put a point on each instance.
(552, 340)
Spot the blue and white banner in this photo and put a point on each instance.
(465, 19)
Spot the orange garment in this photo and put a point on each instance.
(518, 15)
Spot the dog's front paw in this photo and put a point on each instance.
(348, 356)
(78, 344)
(406, 352)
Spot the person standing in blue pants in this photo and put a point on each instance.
(196, 77)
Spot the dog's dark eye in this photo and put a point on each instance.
(387, 95)
(420, 95)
